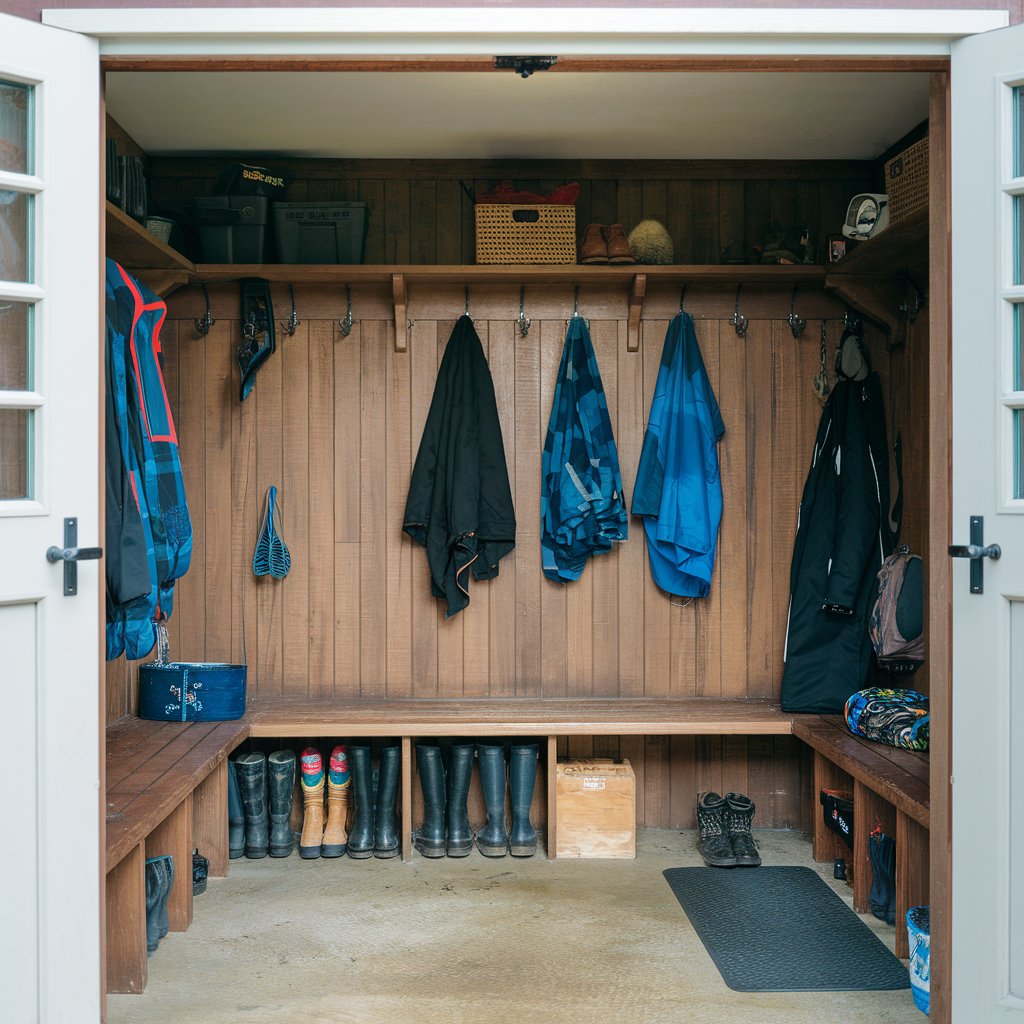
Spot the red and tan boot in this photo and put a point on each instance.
(339, 783)
(618, 246)
(312, 804)
(593, 248)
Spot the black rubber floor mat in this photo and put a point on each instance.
(782, 930)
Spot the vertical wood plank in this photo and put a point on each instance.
(373, 460)
(210, 820)
(553, 627)
(657, 606)
(911, 875)
(632, 557)
(757, 344)
(527, 500)
(296, 512)
(398, 623)
(732, 226)
(269, 471)
(683, 782)
(707, 244)
(448, 221)
(327, 455)
(604, 570)
(173, 836)
(423, 343)
(552, 824)
(504, 340)
(657, 782)
(191, 591)
(397, 220)
(680, 220)
(423, 235)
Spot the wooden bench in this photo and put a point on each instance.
(890, 787)
(546, 718)
(167, 793)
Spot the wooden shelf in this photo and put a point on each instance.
(153, 262)
(555, 273)
(882, 276)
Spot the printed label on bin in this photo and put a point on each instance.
(592, 783)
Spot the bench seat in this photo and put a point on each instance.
(166, 793)
(520, 716)
(890, 788)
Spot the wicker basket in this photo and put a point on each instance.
(525, 234)
(906, 181)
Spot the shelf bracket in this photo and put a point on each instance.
(636, 303)
(401, 313)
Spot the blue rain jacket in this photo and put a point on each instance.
(678, 487)
(582, 508)
(149, 533)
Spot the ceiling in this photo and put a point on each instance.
(488, 115)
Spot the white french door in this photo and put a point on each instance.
(988, 483)
(49, 442)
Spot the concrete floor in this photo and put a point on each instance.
(474, 940)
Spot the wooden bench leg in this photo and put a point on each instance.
(126, 923)
(869, 810)
(827, 845)
(912, 875)
(551, 839)
(174, 836)
(210, 820)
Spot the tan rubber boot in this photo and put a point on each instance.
(593, 248)
(339, 783)
(312, 804)
(618, 246)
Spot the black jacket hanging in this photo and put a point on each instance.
(460, 503)
(842, 538)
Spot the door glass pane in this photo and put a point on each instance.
(16, 346)
(1018, 239)
(1018, 453)
(1018, 132)
(1016, 802)
(15, 236)
(15, 454)
(15, 112)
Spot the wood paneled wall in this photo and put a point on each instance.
(419, 213)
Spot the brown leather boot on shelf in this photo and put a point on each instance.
(593, 248)
(618, 246)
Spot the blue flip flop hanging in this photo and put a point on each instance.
(271, 557)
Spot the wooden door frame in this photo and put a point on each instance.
(939, 618)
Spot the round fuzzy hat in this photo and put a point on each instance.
(649, 242)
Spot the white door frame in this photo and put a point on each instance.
(701, 34)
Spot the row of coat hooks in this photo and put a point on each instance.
(739, 321)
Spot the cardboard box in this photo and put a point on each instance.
(595, 808)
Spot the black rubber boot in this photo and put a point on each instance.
(739, 814)
(163, 917)
(522, 777)
(882, 896)
(429, 837)
(715, 846)
(492, 840)
(200, 872)
(252, 785)
(385, 842)
(281, 784)
(460, 772)
(360, 836)
(156, 880)
(236, 816)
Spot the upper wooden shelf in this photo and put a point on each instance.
(155, 263)
(553, 273)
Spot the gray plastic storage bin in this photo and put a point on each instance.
(320, 232)
(241, 240)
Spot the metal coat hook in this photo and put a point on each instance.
(467, 302)
(852, 322)
(912, 307)
(576, 307)
(741, 323)
(796, 323)
(203, 326)
(524, 321)
(682, 296)
(291, 325)
(345, 323)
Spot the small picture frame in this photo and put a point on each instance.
(839, 246)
